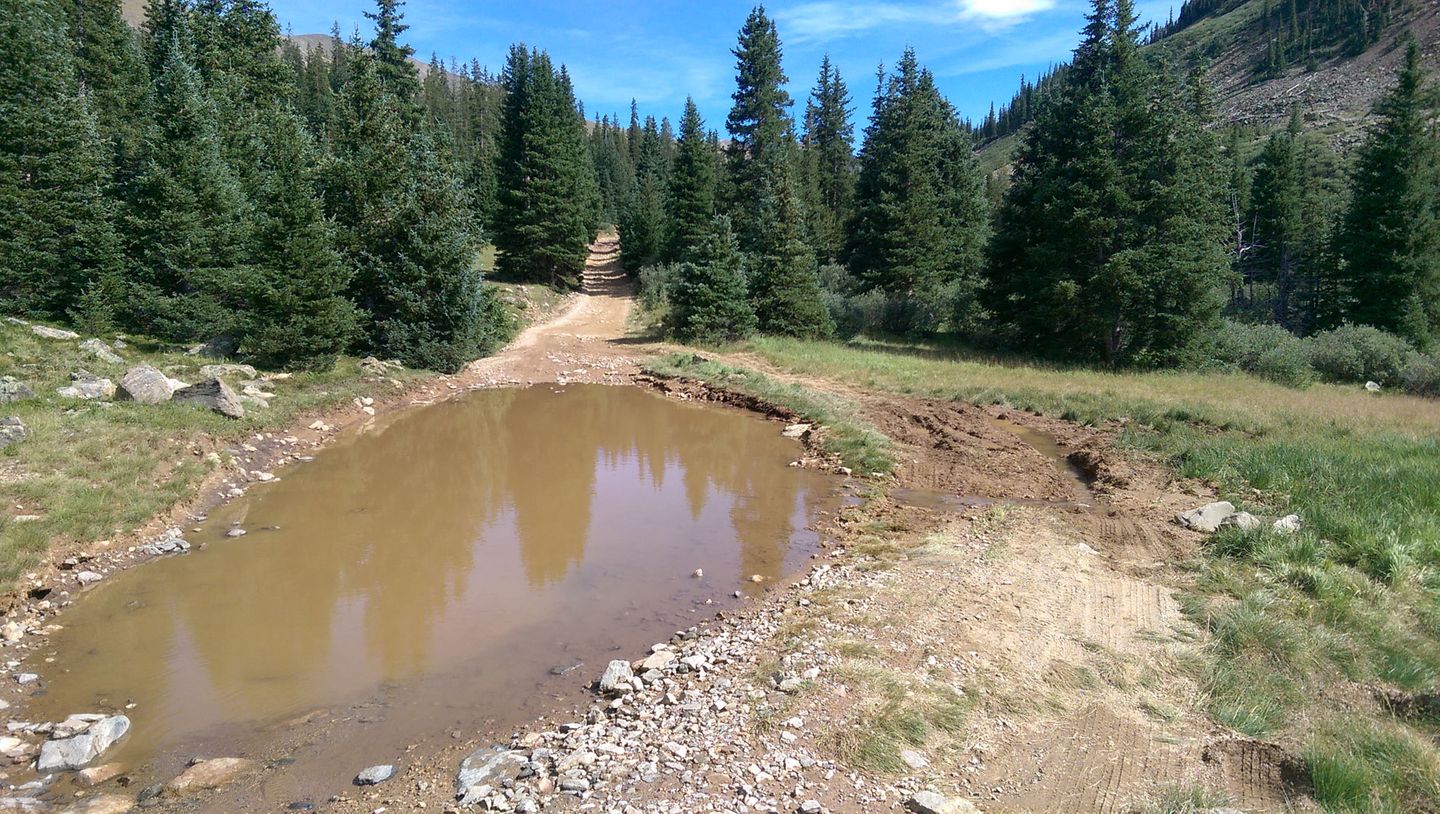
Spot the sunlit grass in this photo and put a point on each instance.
(1298, 625)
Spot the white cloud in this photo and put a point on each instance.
(1003, 10)
(834, 19)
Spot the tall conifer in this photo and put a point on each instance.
(56, 222)
(1388, 242)
(690, 206)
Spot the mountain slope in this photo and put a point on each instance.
(1336, 94)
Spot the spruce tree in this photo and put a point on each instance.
(759, 124)
(1278, 238)
(784, 279)
(707, 300)
(690, 205)
(57, 235)
(642, 219)
(112, 76)
(187, 225)
(1388, 242)
(920, 222)
(827, 142)
(397, 73)
(1109, 241)
(547, 194)
(297, 315)
(437, 314)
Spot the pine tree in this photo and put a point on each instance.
(1388, 242)
(112, 76)
(297, 313)
(188, 220)
(57, 234)
(707, 301)
(397, 73)
(784, 284)
(920, 222)
(828, 137)
(759, 124)
(438, 314)
(1278, 200)
(407, 230)
(690, 206)
(642, 219)
(1109, 242)
(548, 197)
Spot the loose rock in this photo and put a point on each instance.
(216, 371)
(616, 680)
(102, 804)
(1206, 518)
(101, 351)
(67, 754)
(375, 775)
(929, 802)
(12, 389)
(1244, 521)
(1289, 524)
(95, 775)
(209, 774)
(12, 431)
(484, 769)
(53, 333)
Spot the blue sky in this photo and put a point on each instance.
(660, 51)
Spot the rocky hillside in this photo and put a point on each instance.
(1336, 89)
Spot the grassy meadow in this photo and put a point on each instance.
(1328, 640)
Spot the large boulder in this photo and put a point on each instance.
(12, 389)
(144, 384)
(101, 351)
(12, 431)
(214, 394)
(1207, 518)
(65, 754)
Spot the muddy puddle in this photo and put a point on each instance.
(462, 566)
(1076, 481)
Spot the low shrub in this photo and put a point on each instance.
(1267, 351)
(655, 281)
(1357, 354)
(1421, 375)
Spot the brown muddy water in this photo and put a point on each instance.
(443, 570)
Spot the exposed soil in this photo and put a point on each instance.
(1054, 618)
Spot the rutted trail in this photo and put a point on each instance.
(581, 345)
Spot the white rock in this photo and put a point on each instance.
(1289, 524)
(1206, 518)
(1244, 521)
(616, 679)
(73, 753)
(53, 333)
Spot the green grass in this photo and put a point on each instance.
(1300, 626)
(858, 445)
(92, 471)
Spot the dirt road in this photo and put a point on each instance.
(584, 344)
